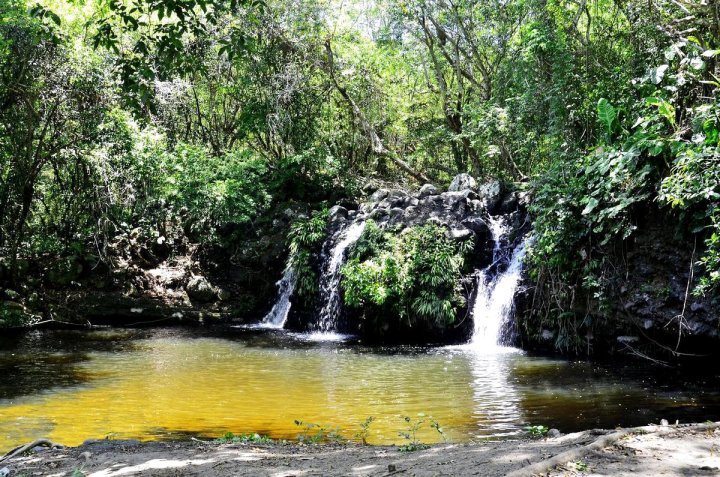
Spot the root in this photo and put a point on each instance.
(543, 467)
(22, 449)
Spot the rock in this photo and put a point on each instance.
(337, 213)
(477, 225)
(378, 214)
(462, 182)
(460, 233)
(368, 207)
(694, 307)
(426, 190)
(490, 193)
(396, 193)
(508, 204)
(369, 188)
(379, 195)
(198, 288)
(396, 212)
(524, 198)
(553, 433)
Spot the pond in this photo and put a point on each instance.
(180, 383)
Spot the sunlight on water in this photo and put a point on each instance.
(170, 384)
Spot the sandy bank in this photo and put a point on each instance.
(654, 450)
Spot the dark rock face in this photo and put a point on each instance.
(461, 209)
(657, 294)
(651, 309)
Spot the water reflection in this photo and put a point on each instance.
(174, 383)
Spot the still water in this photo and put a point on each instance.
(177, 383)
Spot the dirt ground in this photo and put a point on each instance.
(692, 450)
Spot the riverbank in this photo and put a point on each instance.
(651, 450)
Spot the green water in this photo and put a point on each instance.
(175, 383)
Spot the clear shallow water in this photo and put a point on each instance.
(175, 383)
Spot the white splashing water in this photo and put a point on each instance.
(494, 301)
(277, 317)
(330, 279)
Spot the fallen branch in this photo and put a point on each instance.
(543, 467)
(376, 144)
(36, 443)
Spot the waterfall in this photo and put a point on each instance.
(330, 279)
(496, 292)
(278, 315)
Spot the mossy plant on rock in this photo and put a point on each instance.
(405, 279)
(306, 237)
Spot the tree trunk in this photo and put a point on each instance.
(375, 142)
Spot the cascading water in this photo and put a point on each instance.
(495, 293)
(330, 278)
(277, 317)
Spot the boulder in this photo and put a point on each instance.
(508, 204)
(426, 190)
(460, 233)
(369, 188)
(379, 195)
(476, 224)
(462, 182)
(337, 213)
(378, 214)
(200, 289)
(490, 193)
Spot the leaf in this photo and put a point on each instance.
(592, 203)
(657, 74)
(607, 114)
(697, 63)
(710, 53)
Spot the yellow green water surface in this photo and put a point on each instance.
(171, 384)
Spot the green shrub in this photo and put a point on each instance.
(306, 237)
(663, 148)
(411, 276)
(216, 192)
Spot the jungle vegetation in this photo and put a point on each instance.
(134, 116)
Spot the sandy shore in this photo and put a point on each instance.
(686, 450)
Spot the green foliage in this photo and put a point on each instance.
(608, 115)
(230, 438)
(364, 432)
(413, 426)
(306, 236)
(14, 316)
(316, 433)
(215, 193)
(584, 207)
(537, 431)
(411, 276)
